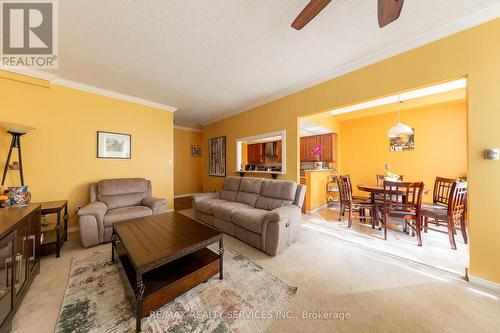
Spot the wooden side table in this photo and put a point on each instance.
(57, 236)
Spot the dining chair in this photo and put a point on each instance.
(408, 209)
(351, 204)
(454, 195)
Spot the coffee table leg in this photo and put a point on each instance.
(58, 234)
(113, 243)
(221, 255)
(66, 219)
(139, 292)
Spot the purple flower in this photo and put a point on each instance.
(317, 149)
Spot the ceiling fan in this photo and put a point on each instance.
(388, 11)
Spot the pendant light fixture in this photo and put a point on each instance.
(399, 129)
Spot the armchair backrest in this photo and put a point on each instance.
(124, 192)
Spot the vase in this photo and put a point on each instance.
(19, 196)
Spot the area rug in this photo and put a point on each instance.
(246, 300)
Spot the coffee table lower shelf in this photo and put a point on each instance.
(171, 280)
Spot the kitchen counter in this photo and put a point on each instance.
(316, 181)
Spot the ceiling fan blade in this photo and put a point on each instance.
(309, 12)
(388, 11)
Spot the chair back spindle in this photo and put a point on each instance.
(442, 190)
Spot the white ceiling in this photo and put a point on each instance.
(211, 58)
(308, 128)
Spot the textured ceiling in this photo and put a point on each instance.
(210, 58)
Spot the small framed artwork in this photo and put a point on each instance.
(113, 145)
(195, 150)
(217, 157)
(402, 143)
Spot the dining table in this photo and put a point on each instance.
(374, 189)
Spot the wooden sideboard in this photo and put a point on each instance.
(19, 258)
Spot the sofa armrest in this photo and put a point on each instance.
(283, 213)
(280, 228)
(91, 218)
(96, 208)
(158, 205)
(204, 196)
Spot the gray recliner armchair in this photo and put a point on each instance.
(115, 200)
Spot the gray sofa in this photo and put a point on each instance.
(115, 200)
(261, 212)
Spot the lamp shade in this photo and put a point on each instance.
(398, 130)
(16, 128)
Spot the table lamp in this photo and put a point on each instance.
(16, 130)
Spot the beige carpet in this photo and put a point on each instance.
(381, 294)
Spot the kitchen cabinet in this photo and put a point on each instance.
(303, 149)
(310, 143)
(329, 148)
(255, 153)
(279, 150)
(329, 143)
(19, 257)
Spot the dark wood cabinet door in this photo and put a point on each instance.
(259, 155)
(21, 255)
(250, 154)
(6, 264)
(279, 150)
(303, 149)
(311, 142)
(33, 243)
(326, 142)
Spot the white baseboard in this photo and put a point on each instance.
(169, 210)
(183, 195)
(316, 209)
(484, 283)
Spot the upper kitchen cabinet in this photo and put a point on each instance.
(328, 141)
(255, 153)
(279, 150)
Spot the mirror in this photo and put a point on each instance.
(264, 153)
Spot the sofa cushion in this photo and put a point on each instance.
(249, 191)
(230, 188)
(251, 219)
(276, 193)
(225, 210)
(117, 193)
(228, 195)
(205, 206)
(279, 189)
(231, 184)
(126, 213)
(271, 203)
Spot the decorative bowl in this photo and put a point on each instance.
(19, 196)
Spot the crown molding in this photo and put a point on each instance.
(482, 16)
(188, 129)
(56, 80)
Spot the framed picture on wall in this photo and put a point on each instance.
(195, 150)
(113, 145)
(217, 157)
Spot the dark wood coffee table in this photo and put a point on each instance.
(163, 256)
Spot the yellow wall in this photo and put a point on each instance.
(316, 189)
(187, 169)
(440, 145)
(59, 156)
(472, 53)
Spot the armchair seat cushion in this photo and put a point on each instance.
(205, 206)
(126, 213)
(225, 210)
(251, 219)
